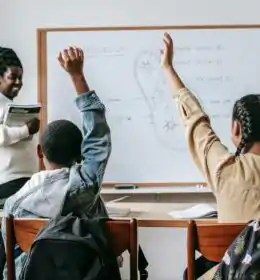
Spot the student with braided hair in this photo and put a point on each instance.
(17, 162)
(233, 178)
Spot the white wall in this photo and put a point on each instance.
(20, 19)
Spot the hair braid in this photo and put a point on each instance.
(243, 115)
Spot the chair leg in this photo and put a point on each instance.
(143, 274)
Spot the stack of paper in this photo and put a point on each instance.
(120, 212)
(199, 211)
(117, 211)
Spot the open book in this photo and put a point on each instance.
(198, 211)
(19, 115)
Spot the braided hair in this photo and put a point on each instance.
(247, 112)
(8, 58)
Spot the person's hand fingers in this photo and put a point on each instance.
(76, 52)
(168, 39)
(65, 55)
(81, 54)
(60, 58)
(71, 53)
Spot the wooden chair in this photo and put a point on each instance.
(121, 233)
(211, 240)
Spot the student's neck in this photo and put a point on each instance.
(255, 149)
(53, 166)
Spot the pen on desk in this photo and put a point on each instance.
(126, 187)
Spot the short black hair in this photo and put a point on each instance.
(247, 112)
(8, 58)
(61, 143)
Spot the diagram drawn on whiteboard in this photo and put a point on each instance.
(163, 113)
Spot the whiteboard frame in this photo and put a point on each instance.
(42, 34)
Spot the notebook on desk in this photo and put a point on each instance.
(199, 211)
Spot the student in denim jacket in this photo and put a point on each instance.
(66, 186)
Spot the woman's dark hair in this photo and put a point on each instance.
(8, 58)
(247, 112)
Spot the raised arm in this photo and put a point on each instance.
(96, 146)
(205, 147)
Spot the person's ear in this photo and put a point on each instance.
(236, 133)
(39, 152)
(236, 129)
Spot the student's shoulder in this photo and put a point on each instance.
(39, 177)
(50, 175)
(244, 168)
(250, 163)
(247, 162)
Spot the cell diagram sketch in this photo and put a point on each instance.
(163, 113)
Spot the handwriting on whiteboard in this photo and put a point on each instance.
(94, 51)
(162, 113)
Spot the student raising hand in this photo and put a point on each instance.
(71, 60)
(233, 178)
(219, 167)
(207, 151)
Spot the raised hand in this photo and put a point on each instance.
(71, 60)
(167, 51)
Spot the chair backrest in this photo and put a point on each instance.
(122, 236)
(211, 240)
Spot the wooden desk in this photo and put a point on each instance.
(157, 190)
(155, 214)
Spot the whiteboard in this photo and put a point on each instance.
(123, 66)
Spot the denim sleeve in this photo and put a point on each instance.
(96, 146)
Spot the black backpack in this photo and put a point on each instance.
(242, 259)
(70, 248)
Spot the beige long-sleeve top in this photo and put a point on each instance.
(235, 181)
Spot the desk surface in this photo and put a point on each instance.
(158, 190)
(156, 214)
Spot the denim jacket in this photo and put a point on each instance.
(76, 189)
